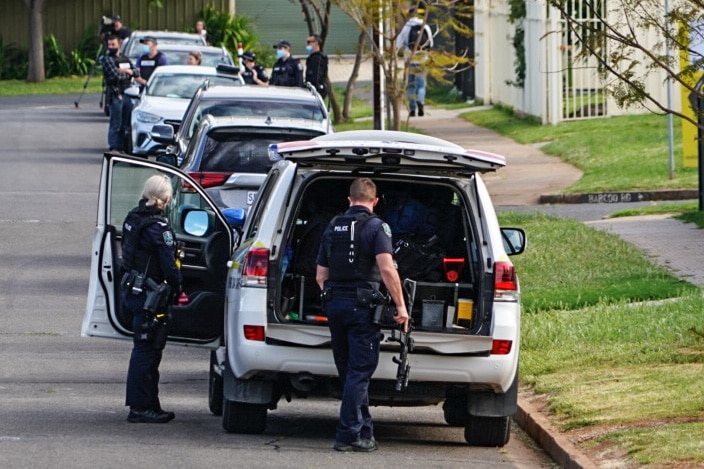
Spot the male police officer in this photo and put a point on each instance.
(150, 59)
(355, 256)
(118, 73)
(287, 70)
(317, 65)
(253, 74)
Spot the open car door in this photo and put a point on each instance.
(206, 239)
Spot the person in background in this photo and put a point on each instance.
(287, 70)
(118, 73)
(200, 29)
(149, 252)
(317, 65)
(113, 26)
(253, 74)
(194, 58)
(150, 59)
(354, 258)
(415, 39)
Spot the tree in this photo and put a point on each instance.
(381, 22)
(621, 41)
(35, 74)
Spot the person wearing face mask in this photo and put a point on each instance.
(150, 59)
(118, 73)
(317, 65)
(287, 70)
(253, 74)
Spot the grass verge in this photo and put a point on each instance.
(619, 374)
(625, 153)
(65, 85)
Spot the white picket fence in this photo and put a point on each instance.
(559, 84)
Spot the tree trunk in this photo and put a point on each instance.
(36, 73)
(349, 91)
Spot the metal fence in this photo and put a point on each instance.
(560, 84)
(70, 20)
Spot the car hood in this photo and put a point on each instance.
(168, 108)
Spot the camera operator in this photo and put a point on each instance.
(150, 274)
(113, 27)
(118, 73)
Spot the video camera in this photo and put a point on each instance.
(107, 27)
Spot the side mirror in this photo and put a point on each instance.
(132, 92)
(196, 223)
(514, 240)
(168, 158)
(163, 133)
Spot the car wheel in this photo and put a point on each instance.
(455, 411)
(487, 431)
(215, 388)
(240, 417)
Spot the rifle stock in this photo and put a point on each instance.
(404, 338)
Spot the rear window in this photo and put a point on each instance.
(242, 152)
(309, 110)
(210, 58)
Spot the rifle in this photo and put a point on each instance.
(404, 338)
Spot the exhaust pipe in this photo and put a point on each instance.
(302, 382)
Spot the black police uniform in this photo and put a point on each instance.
(248, 75)
(348, 249)
(287, 72)
(317, 72)
(149, 248)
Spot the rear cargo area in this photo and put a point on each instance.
(434, 245)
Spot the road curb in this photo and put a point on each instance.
(619, 197)
(561, 450)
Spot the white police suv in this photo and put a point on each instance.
(257, 307)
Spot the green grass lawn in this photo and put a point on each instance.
(68, 85)
(614, 343)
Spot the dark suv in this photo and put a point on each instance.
(265, 103)
(229, 156)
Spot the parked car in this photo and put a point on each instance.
(176, 54)
(165, 98)
(133, 49)
(259, 309)
(257, 102)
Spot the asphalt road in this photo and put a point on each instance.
(62, 395)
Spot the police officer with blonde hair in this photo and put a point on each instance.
(148, 258)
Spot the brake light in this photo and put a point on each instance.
(209, 179)
(256, 267)
(505, 281)
(501, 347)
(254, 333)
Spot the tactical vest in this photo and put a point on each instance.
(134, 255)
(148, 64)
(124, 80)
(345, 257)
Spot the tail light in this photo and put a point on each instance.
(208, 179)
(505, 281)
(256, 267)
(501, 347)
(254, 333)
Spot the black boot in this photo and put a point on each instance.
(420, 109)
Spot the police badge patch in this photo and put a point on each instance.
(168, 238)
(387, 230)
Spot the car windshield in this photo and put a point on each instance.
(257, 108)
(242, 151)
(134, 47)
(182, 85)
(210, 58)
